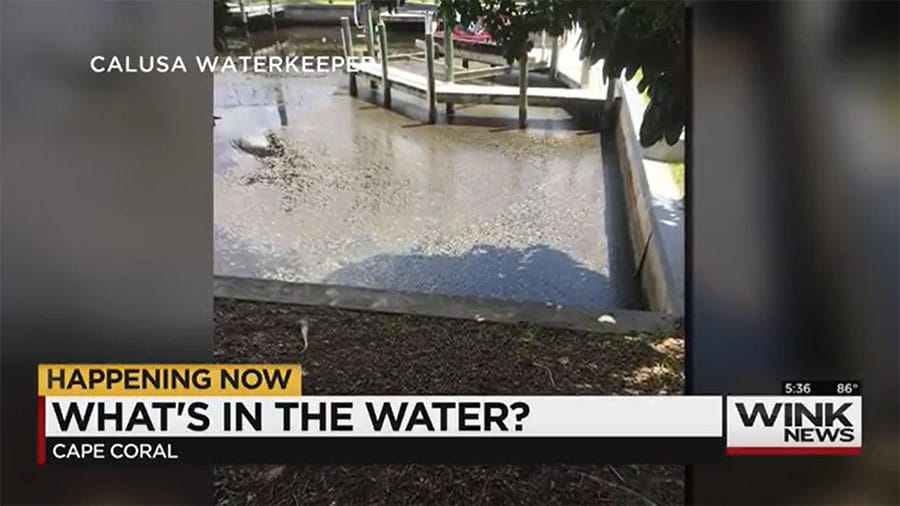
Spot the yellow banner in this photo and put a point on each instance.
(169, 380)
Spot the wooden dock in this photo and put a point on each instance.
(449, 92)
(407, 17)
(247, 10)
(460, 93)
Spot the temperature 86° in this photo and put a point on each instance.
(847, 388)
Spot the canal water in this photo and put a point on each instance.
(312, 185)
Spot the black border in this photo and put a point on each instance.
(688, 231)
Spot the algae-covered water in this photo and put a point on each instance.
(312, 185)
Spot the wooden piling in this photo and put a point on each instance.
(246, 21)
(523, 88)
(370, 40)
(448, 56)
(609, 103)
(585, 72)
(346, 36)
(347, 42)
(275, 28)
(370, 33)
(272, 16)
(543, 45)
(429, 61)
(611, 92)
(554, 56)
(382, 48)
(280, 103)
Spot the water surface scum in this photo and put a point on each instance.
(312, 185)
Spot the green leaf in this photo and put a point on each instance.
(673, 133)
(629, 34)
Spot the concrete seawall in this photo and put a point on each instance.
(657, 240)
(655, 219)
(612, 321)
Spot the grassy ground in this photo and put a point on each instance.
(678, 174)
(368, 353)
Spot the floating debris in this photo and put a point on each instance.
(607, 319)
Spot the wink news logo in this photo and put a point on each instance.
(780, 424)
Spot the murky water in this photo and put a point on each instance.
(346, 192)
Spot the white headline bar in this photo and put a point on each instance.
(385, 416)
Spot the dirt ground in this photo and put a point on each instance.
(349, 352)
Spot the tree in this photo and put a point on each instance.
(630, 35)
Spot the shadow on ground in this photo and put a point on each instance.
(533, 274)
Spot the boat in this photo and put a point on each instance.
(475, 38)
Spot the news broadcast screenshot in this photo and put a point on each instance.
(449, 252)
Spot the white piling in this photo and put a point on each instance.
(523, 89)
(449, 23)
(382, 48)
(347, 42)
(429, 61)
(246, 21)
(543, 45)
(554, 57)
(585, 72)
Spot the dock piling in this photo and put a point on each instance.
(246, 21)
(554, 56)
(609, 103)
(523, 88)
(448, 57)
(272, 17)
(585, 72)
(347, 42)
(275, 29)
(370, 33)
(382, 48)
(370, 40)
(610, 93)
(346, 37)
(543, 46)
(429, 61)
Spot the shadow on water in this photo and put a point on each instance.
(504, 124)
(533, 274)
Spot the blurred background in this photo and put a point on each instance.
(793, 178)
(106, 195)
